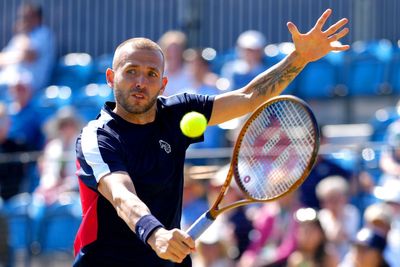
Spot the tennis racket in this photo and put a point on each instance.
(274, 153)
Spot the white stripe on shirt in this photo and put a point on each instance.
(90, 146)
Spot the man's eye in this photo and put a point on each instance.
(131, 71)
(152, 74)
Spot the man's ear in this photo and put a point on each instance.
(164, 84)
(110, 77)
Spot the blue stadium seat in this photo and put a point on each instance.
(380, 122)
(73, 70)
(394, 74)
(317, 80)
(53, 98)
(16, 209)
(221, 58)
(60, 224)
(368, 67)
(91, 98)
(101, 64)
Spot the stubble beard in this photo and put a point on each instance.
(122, 97)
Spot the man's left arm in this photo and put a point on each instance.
(309, 47)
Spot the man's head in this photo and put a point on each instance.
(368, 248)
(251, 46)
(29, 17)
(173, 43)
(137, 76)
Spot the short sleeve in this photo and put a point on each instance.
(99, 153)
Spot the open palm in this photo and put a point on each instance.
(316, 43)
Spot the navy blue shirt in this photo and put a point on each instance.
(153, 155)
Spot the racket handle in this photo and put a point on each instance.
(200, 225)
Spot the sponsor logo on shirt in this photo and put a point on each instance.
(164, 145)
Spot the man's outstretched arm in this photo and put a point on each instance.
(309, 47)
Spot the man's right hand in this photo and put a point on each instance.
(172, 245)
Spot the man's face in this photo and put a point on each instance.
(27, 19)
(138, 79)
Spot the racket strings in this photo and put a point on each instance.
(287, 134)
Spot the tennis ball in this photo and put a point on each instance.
(193, 124)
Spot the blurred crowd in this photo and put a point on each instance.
(341, 216)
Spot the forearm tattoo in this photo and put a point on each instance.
(274, 80)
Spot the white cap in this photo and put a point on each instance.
(251, 40)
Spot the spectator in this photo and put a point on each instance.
(203, 79)
(312, 246)
(57, 167)
(390, 194)
(12, 170)
(323, 167)
(367, 250)
(274, 237)
(203, 82)
(339, 219)
(378, 216)
(173, 43)
(238, 225)
(250, 61)
(194, 195)
(31, 50)
(212, 248)
(26, 120)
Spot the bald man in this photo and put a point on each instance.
(131, 158)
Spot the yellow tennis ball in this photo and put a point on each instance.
(193, 124)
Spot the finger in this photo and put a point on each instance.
(332, 29)
(188, 241)
(340, 48)
(175, 258)
(293, 29)
(321, 21)
(179, 248)
(339, 35)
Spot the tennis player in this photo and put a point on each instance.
(130, 159)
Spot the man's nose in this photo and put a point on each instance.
(140, 81)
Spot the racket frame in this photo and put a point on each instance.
(215, 210)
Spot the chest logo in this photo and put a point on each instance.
(164, 145)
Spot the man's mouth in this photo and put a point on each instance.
(138, 96)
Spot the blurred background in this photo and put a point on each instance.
(52, 81)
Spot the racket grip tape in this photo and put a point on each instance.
(200, 225)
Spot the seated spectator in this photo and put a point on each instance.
(313, 248)
(12, 170)
(57, 166)
(274, 237)
(26, 120)
(250, 61)
(31, 50)
(366, 250)
(323, 168)
(237, 224)
(390, 194)
(212, 250)
(378, 216)
(339, 219)
(173, 43)
(194, 196)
